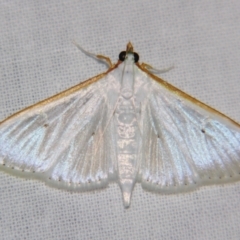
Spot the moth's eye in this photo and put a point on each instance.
(136, 57)
(122, 56)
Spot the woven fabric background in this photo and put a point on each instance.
(37, 60)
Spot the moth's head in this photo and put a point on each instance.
(129, 54)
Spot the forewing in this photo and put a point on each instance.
(61, 139)
(186, 143)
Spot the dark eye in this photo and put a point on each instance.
(136, 57)
(122, 56)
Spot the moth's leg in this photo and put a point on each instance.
(105, 59)
(98, 57)
(154, 70)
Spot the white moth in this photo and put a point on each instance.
(124, 125)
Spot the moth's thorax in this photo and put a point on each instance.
(127, 78)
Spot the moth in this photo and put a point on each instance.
(125, 125)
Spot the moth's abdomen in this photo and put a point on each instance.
(128, 146)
